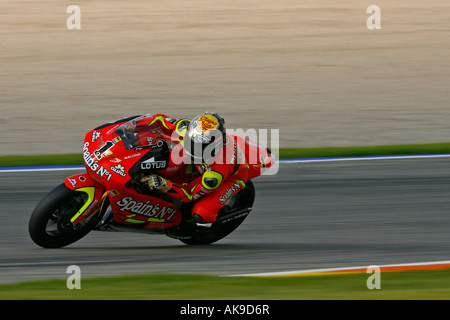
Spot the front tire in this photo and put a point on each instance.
(50, 226)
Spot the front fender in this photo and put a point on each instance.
(95, 191)
(81, 181)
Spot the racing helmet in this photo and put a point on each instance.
(204, 137)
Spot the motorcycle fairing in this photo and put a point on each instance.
(144, 211)
(117, 154)
(94, 190)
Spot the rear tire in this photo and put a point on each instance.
(50, 226)
(203, 236)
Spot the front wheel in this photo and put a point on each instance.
(50, 225)
(223, 226)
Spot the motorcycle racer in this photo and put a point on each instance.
(189, 180)
(217, 160)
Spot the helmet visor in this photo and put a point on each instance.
(201, 148)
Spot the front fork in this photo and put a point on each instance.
(96, 194)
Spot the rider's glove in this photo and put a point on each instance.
(156, 182)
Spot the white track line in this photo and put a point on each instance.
(43, 168)
(321, 270)
(287, 161)
(393, 157)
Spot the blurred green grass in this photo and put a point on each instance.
(41, 160)
(434, 148)
(284, 153)
(407, 285)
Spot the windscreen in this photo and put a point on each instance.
(144, 132)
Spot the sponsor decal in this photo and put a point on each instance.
(207, 123)
(132, 156)
(246, 213)
(119, 169)
(199, 136)
(251, 143)
(233, 157)
(113, 193)
(95, 135)
(108, 145)
(152, 164)
(230, 191)
(113, 128)
(91, 208)
(147, 209)
(199, 194)
(99, 153)
(92, 163)
(73, 182)
(155, 142)
(103, 172)
(178, 236)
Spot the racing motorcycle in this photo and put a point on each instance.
(110, 196)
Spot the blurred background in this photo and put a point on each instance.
(309, 68)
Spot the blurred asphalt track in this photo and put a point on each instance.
(309, 215)
(309, 68)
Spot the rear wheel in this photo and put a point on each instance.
(223, 227)
(50, 225)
